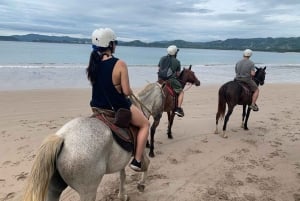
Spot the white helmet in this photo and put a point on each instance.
(247, 53)
(103, 36)
(172, 50)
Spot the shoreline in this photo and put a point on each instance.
(74, 78)
(135, 89)
(260, 164)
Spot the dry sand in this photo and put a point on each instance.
(262, 164)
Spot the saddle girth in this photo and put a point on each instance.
(166, 84)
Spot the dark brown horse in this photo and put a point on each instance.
(234, 93)
(186, 76)
(157, 98)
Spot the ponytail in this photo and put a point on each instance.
(95, 59)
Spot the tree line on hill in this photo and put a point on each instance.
(291, 44)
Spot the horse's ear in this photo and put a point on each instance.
(190, 67)
(256, 68)
(265, 67)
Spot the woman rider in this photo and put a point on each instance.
(110, 86)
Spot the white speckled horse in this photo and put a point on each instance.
(155, 99)
(78, 155)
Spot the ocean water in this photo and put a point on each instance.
(26, 65)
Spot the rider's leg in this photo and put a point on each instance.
(253, 86)
(180, 99)
(139, 120)
(253, 106)
(255, 96)
(179, 111)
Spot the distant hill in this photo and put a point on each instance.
(291, 44)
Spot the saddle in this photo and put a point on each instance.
(166, 83)
(125, 137)
(246, 89)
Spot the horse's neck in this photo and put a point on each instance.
(182, 79)
(256, 81)
(151, 97)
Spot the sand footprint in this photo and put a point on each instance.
(193, 151)
(6, 163)
(172, 160)
(9, 196)
(22, 176)
(297, 197)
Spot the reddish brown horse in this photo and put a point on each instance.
(157, 98)
(186, 76)
(234, 93)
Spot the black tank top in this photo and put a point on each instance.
(104, 93)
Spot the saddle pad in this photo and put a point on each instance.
(123, 136)
(165, 83)
(246, 88)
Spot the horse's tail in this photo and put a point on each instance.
(43, 169)
(221, 103)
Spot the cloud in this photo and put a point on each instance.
(191, 20)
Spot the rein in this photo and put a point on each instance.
(256, 80)
(184, 83)
(189, 86)
(143, 106)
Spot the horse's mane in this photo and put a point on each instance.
(181, 73)
(146, 89)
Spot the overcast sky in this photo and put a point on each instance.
(153, 20)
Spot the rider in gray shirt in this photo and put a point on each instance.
(245, 70)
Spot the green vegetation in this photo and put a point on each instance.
(291, 44)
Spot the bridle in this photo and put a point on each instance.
(255, 78)
(183, 83)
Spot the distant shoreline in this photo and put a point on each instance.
(290, 44)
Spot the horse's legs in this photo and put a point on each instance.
(145, 166)
(88, 192)
(171, 115)
(152, 133)
(56, 187)
(243, 115)
(122, 192)
(247, 117)
(141, 183)
(88, 184)
(229, 112)
(217, 120)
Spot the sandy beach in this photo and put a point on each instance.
(262, 164)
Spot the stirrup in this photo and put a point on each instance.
(254, 107)
(179, 112)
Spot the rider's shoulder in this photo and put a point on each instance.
(121, 62)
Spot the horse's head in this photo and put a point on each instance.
(187, 75)
(260, 75)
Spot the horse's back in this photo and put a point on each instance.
(88, 151)
(85, 133)
(230, 87)
(232, 92)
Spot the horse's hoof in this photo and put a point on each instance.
(170, 136)
(141, 187)
(124, 198)
(151, 155)
(225, 136)
(246, 128)
(216, 132)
